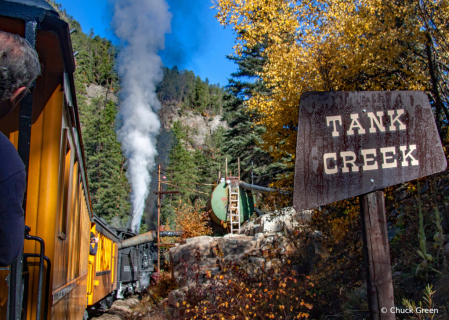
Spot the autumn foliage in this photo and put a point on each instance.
(329, 45)
(192, 220)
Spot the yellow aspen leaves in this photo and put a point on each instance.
(324, 45)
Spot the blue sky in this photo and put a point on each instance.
(197, 41)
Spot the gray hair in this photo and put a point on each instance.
(19, 64)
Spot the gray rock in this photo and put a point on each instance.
(258, 236)
(107, 316)
(216, 123)
(95, 91)
(123, 307)
(200, 126)
(199, 239)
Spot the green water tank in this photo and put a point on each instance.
(217, 205)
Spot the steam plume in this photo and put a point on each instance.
(141, 26)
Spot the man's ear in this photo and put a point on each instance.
(17, 96)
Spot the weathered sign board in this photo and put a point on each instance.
(353, 143)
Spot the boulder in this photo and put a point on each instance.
(202, 256)
(186, 252)
(123, 307)
(238, 247)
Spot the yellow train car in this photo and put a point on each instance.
(46, 131)
(102, 276)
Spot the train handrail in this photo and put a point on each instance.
(47, 282)
(41, 269)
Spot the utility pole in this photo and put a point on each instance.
(160, 193)
(238, 167)
(226, 176)
(159, 196)
(252, 169)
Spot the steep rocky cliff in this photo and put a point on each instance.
(200, 125)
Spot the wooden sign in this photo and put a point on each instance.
(353, 143)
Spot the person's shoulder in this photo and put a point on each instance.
(10, 162)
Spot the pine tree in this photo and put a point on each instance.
(181, 171)
(199, 98)
(243, 139)
(109, 187)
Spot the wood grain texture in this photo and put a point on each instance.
(377, 256)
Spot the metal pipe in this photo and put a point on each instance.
(259, 213)
(259, 188)
(252, 172)
(171, 233)
(150, 236)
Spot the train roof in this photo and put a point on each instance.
(29, 9)
(103, 227)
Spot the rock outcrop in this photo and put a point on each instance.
(95, 91)
(286, 219)
(199, 256)
(200, 126)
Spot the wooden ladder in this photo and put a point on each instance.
(234, 208)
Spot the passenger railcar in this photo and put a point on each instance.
(102, 267)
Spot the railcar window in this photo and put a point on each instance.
(74, 222)
(65, 184)
(104, 254)
(79, 222)
(99, 253)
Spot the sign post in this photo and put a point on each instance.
(354, 144)
(377, 255)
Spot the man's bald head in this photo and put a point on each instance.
(19, 67)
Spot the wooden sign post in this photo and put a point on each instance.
(377, 255)
(354, 144)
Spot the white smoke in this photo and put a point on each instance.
(141, 26)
